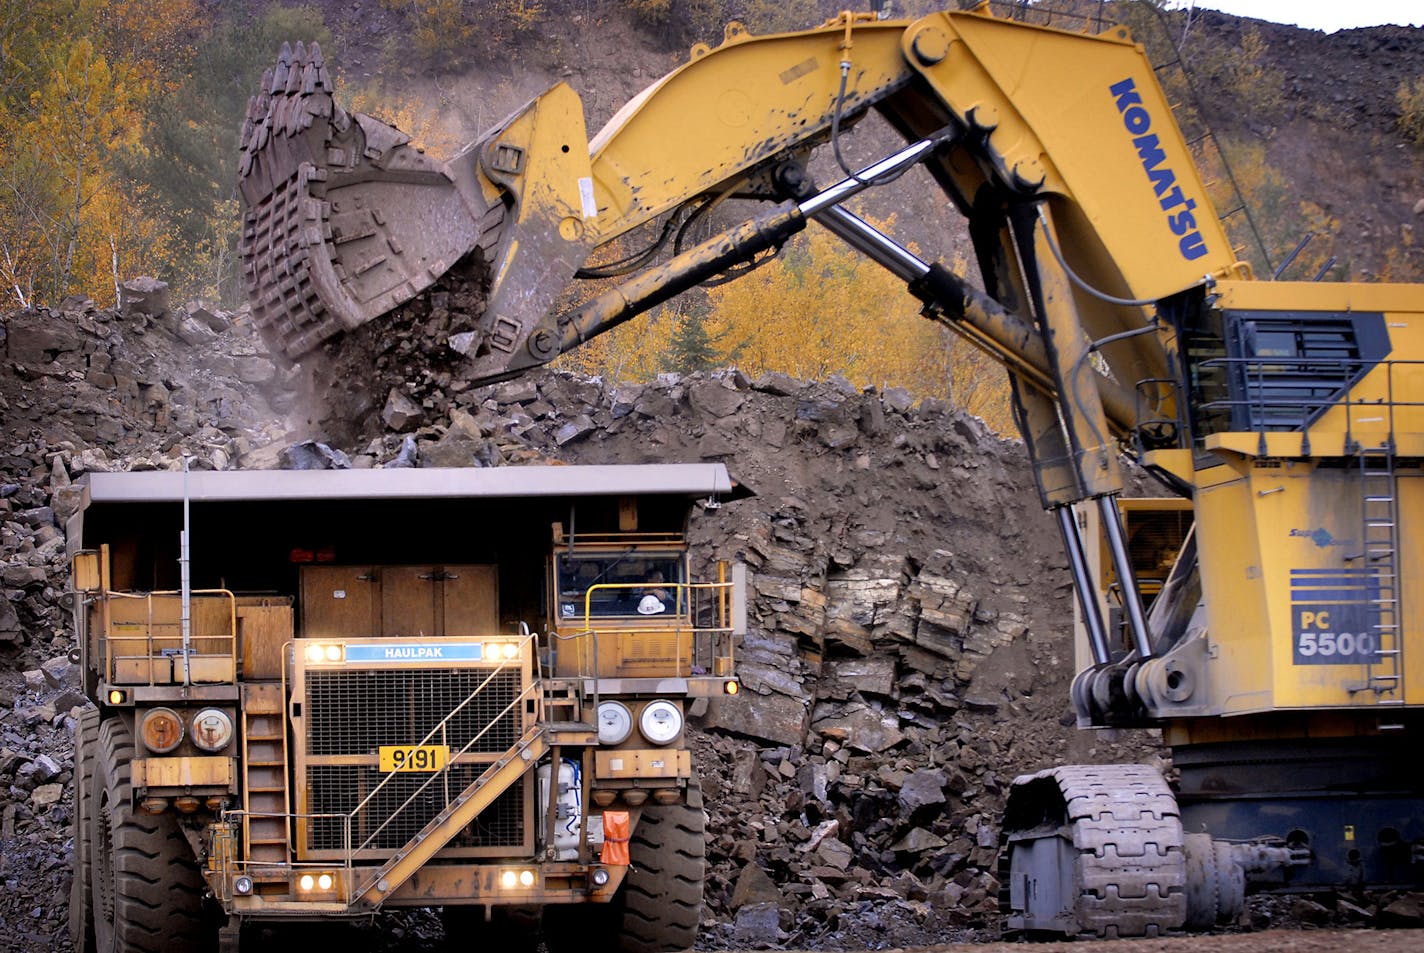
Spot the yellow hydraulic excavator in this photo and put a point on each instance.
(1281, 658)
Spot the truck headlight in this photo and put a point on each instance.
(162, 730)
(660, 722)
(324, 652)
(212, 729)
(500, 651)
(614, 723)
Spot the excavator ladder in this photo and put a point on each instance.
(1379, 537)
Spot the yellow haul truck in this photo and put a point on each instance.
(318, 694)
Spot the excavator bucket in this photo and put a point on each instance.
(344, 219)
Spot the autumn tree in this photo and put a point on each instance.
(58, 171)
(187, 159)
(816, 310)
(823, 309)
(73, 85)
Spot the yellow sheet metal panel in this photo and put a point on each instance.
(184, 772)
(143, 670)
(643, 763)
(1293, 607)
(340, 601)
(1230, 560)
(1309, 526)
(86, 572)
(727, 110)
(1320, 296)
(1088, 113)
(262, 632)
(209, 669)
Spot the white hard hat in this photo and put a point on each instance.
(651, 605)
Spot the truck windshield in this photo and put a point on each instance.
(639, 583)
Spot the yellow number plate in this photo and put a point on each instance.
(413, 757)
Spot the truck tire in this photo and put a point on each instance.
(662, 895)
(147, 888)
(81, 899)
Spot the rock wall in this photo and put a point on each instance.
(909, 648)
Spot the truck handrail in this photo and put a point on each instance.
(682, 612)
(149, 624)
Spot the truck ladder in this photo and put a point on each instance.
(1379, 537)
(265, 805)
(455, 817)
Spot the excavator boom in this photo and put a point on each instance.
(344, 219)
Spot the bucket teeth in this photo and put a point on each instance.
(280, 71)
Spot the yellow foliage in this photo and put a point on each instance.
(522, 15)
(818, 310)
(823, 309)
(1410, 97)
(57, 174)
(630, 352)
(1257, 85)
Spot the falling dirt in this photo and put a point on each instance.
(348, 382)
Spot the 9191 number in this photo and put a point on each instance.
(413, 757)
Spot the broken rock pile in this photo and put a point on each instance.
(909, 649)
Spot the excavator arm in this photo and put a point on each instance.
(1051, 143)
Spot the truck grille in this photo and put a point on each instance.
(335, 789)
(357, 711)
(350, 713)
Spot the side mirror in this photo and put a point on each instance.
(739, 599)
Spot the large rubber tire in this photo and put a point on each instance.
(148, 891)
(81, 898)
(662, 895)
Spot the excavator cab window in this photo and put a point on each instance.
(1258, 370)
(1288, 369)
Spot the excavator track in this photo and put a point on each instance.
(1092, 850)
